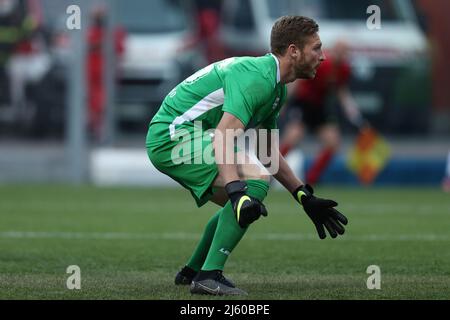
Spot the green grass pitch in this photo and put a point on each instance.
(130, 242)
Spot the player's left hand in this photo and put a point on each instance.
(246, 208)
(321, 212)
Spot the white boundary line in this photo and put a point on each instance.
(196, 236)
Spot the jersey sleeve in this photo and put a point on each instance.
(244, 93)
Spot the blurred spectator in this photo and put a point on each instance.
(16, 25)
(308, 107)
(19, 22)
(207, 16)
(95, 69)
(438, 31)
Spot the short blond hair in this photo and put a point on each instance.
(289, 30)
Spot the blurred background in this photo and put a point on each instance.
(75, 103)
(80, 81)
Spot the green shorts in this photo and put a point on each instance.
(187, 157)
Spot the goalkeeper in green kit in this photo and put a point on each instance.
(193, 139)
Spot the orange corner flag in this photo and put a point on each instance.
(368, 156)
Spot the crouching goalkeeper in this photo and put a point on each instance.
(234, 95)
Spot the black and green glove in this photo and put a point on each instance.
(321, 212)
(246, 208)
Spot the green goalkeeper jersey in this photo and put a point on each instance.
(247, 87)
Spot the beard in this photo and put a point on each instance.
(305, 70)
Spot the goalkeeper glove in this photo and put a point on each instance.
(321, 212)
(246, 209)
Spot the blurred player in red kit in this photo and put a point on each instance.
(308, 109)
(95, 68)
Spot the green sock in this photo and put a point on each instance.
(228, 232)
(200, 252)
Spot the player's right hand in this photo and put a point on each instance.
(246, 208)
(321, 212)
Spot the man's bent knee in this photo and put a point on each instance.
(252, 169)
(219, 197)
(255, 176)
